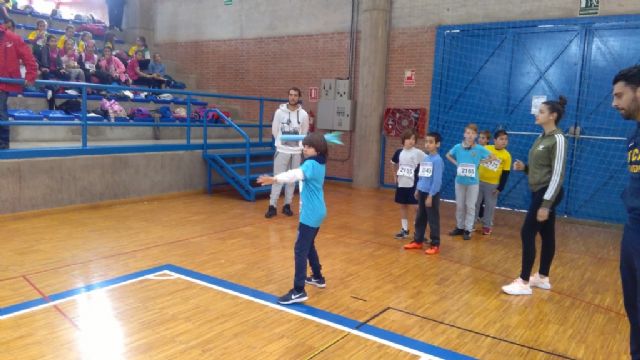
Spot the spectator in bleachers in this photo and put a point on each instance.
(141, 45)
(70, 32)
(50, 61)
(10, 60)
(84, 37)
(156, 67)
(38, 37)
(51, 68)
(138, 77)
(10, 25)
(88, 61)
(5, 6)
(112, 66)
(70, 61)
(109, 40)
(116, 11)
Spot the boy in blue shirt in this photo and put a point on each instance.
(428, 195)
(312, 212)
(467, 157)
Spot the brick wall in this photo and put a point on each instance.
(269, 66)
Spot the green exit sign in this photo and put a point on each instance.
(228, 2)
(589, 7)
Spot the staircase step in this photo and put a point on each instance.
(262, 189)
(242, 154)
(252, 164)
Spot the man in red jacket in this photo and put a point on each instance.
(12, 51)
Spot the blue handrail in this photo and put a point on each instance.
(247, 140)
(85, 121)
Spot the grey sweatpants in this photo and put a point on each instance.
(485, 193)
(283, 162)
(466, 197)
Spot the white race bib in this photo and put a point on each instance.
(467, 170)
(405, 171)
(426, 169)
(493, 165)
(90, 66)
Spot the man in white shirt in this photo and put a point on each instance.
(289, 119)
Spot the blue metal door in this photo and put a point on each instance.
(489, 73)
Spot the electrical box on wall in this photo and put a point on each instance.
(342, 120)
(342, 90)
(335, 107)
(328, 89)
(324, 119)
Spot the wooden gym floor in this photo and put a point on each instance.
(452, 300)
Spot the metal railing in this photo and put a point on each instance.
(84, 122)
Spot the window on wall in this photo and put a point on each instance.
(69, 8)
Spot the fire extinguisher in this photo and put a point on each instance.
(312, 121)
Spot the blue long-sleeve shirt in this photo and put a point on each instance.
(156, 68)
(631, 195)
(430, 174)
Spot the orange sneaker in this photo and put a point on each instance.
(432, 250)
(413, 246)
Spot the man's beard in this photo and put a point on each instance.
(632, 111)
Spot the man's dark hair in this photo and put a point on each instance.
(499, 133)
(296, 90)
(630, 76)
(49, 37)
(436, 136)
(318, 142)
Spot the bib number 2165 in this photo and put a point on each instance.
(467, 170)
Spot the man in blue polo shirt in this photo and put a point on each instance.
(626, 99)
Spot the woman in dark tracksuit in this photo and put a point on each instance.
(547, 158)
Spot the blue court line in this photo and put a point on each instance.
(306, 310)
(12, 309)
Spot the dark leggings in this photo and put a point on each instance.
(305, 249)
(547, 230)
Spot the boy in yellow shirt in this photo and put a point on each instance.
(70, 33)
(493, 178)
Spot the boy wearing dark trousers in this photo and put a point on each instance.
(312, 212)
(626, 99)
(428, 195)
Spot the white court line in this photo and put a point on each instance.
(309, 317)
(172, 275)
(52, 303)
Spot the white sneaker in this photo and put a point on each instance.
(517, 287)
(537, 281)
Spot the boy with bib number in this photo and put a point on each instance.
(406, 161)
(428, 195)
(493, 178)
(467, 157)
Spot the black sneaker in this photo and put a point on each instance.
(466, 235)
(287, 210)
(293, 297)
(271, 212)
(403, 234)
(319, 282)
(456, 232)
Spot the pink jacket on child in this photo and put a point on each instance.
(115, 67)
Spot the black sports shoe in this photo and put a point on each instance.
(467, 235)
(293, 297)
(271, 212)
(287, 210)
(402, 234)
(456, 232)
(319, 282)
